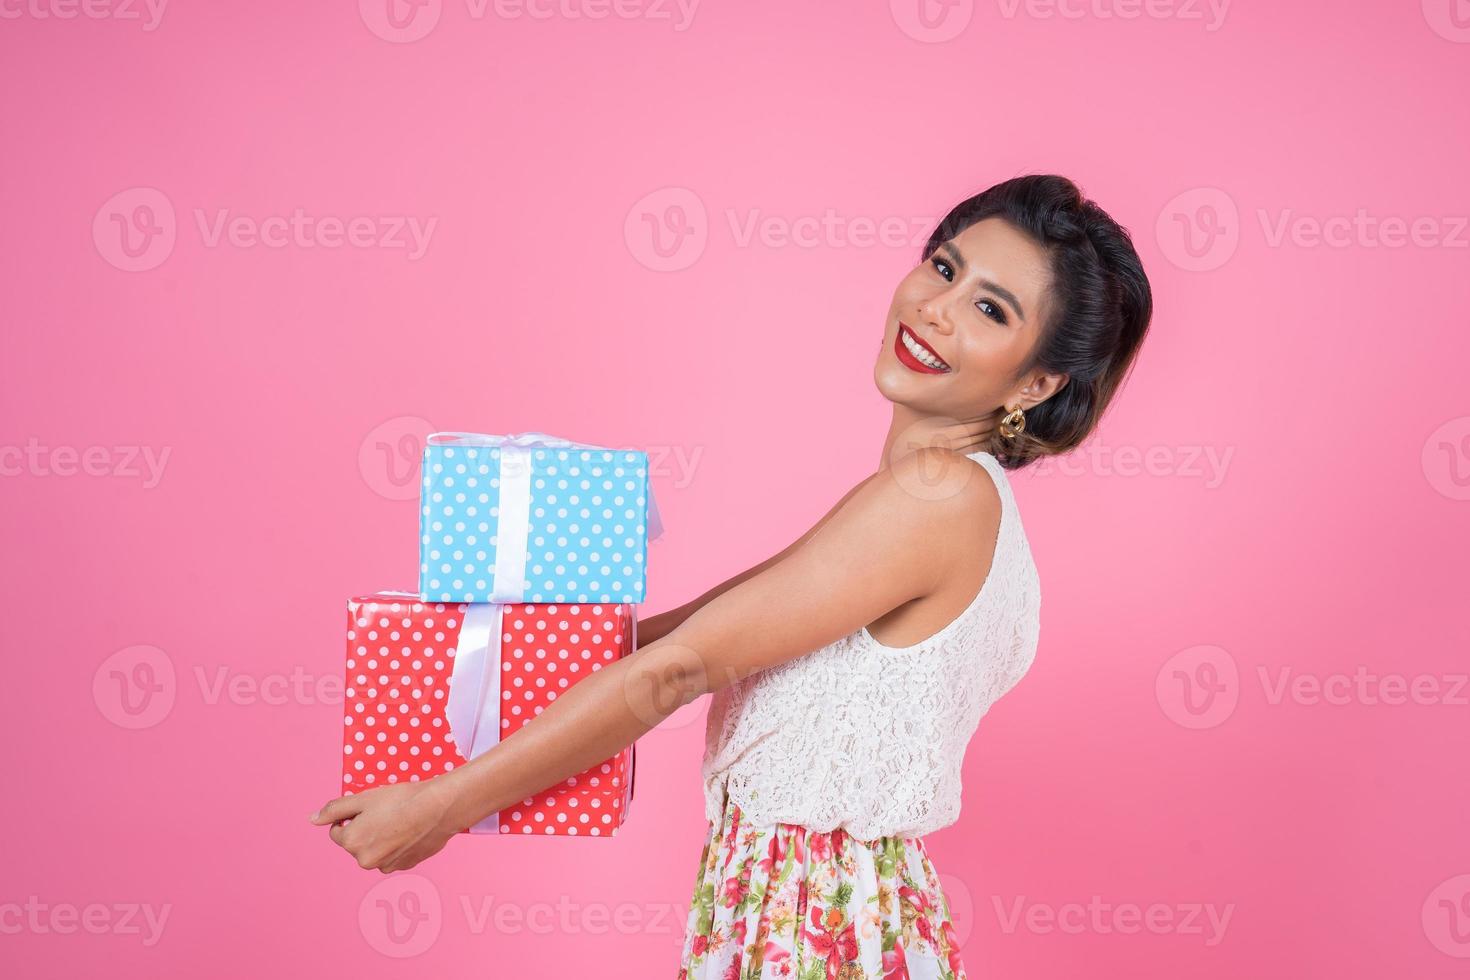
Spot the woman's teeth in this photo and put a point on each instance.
(923, 356)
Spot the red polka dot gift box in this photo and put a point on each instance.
(430, 685)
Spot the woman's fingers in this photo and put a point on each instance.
(338, 809)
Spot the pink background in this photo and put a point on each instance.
(1326, 381)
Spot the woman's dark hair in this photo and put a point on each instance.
(1099, 309)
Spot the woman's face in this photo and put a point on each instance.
(964, 322)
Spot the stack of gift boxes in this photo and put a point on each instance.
(533, 552)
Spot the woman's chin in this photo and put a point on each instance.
(901, 386)
(888, 385)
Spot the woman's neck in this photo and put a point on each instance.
(910, 431)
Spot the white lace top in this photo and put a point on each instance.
(869, 737)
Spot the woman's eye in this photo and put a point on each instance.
(943, 267)
(991, 310)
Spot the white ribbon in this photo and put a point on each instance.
(513, 526)
(473, 708)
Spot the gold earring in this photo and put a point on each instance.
(1014, 423)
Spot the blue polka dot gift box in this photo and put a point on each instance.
(532, 517)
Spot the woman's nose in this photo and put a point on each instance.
(936, 315)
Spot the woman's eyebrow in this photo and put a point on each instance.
(959, 260)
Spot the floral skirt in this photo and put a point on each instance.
(781, 901)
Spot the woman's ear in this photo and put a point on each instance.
(1040, 388)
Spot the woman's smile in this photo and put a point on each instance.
(916, 355)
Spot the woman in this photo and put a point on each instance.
(849, 671)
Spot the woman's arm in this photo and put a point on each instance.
(894, 539)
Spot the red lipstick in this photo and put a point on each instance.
(910, 360)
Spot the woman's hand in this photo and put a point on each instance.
(390, 828)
